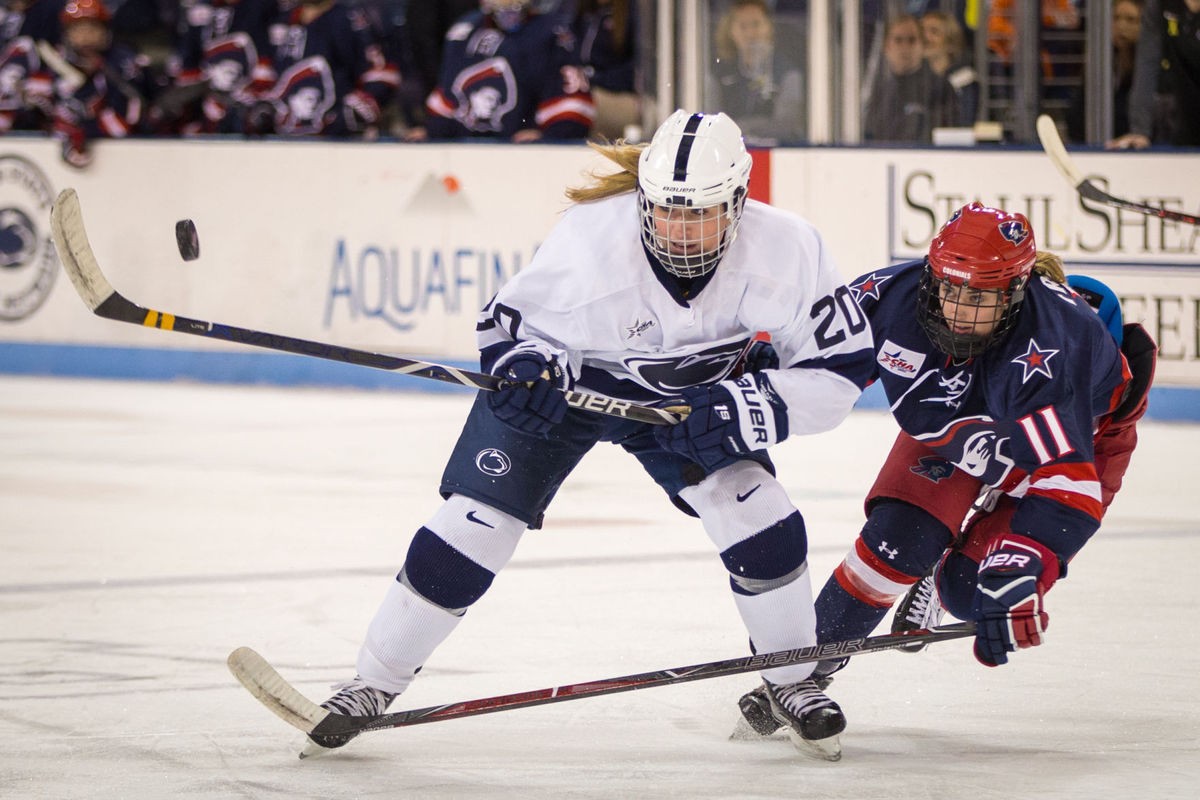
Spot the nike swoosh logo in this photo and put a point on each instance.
(472, 518)
(741, 498)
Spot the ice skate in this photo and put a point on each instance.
(810, 719)
(353, 698)
(919, 609)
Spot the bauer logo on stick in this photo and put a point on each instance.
(187, 239)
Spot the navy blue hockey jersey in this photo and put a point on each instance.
(1020, 417)
(494, 83)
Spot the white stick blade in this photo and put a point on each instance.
(1052, 143)
(262, 681)
(74, 251)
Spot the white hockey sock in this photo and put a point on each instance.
(782, 619)
(403, 634)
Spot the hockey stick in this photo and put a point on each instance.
(283, 699)
(1052, 143)
(75, 253)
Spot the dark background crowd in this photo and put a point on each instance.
(529, 70)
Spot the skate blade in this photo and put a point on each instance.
(827, 749)
(313, 750)
(744, 732)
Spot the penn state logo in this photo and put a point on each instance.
(1014, 231)
(28, 264)
(491, 461)
(673, 372)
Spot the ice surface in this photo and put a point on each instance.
(149, 529)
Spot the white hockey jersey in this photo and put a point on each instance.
(591, 295)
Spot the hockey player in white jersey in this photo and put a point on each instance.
(650, 288)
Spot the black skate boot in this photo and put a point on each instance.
(919, 609)
(353, 698)
(811, 720)
(756, 708)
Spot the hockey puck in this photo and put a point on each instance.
(187, 239)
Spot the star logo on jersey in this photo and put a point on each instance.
(638, 328)
(868, 286)
(933, 468)
(1035, 361)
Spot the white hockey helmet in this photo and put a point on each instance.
(693, 161)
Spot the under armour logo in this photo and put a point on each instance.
(891, 554)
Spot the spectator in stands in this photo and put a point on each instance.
(605, 38)
(945, 50)
(37, 19)
(757, 83)
(1168, 60)
(906, 100)
(333, 78)
(99, 87)
(426, 23)
(1126, 24)
(26, 85)
(508, 73)
(221, 66)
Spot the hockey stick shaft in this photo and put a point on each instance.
(265, 683)
(1052, 143)
(75, 253)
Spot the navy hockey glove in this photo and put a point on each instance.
(529, 399)
(1008, 608)
(760, 356)
(727, 421)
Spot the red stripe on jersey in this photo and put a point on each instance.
(1075, 485)
(438, 104)
(575, 108)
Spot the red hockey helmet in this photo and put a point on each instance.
(984, 248)
(984, 254)
(76, 10)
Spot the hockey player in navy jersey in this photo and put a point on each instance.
(1017, 411)
(649, 288)
(27, 84)
(100, 88)
(220, 66)
(508, 73)
(332, 78)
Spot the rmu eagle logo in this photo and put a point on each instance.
(933, 468)
(1014, 231)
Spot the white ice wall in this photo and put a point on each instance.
(393, 247)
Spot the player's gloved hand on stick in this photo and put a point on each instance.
(530, 397)
(1009, 608)
(761, 355)
(727, 421)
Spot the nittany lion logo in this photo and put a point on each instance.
(1014, 231)
(28, 263)
(493, 462)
